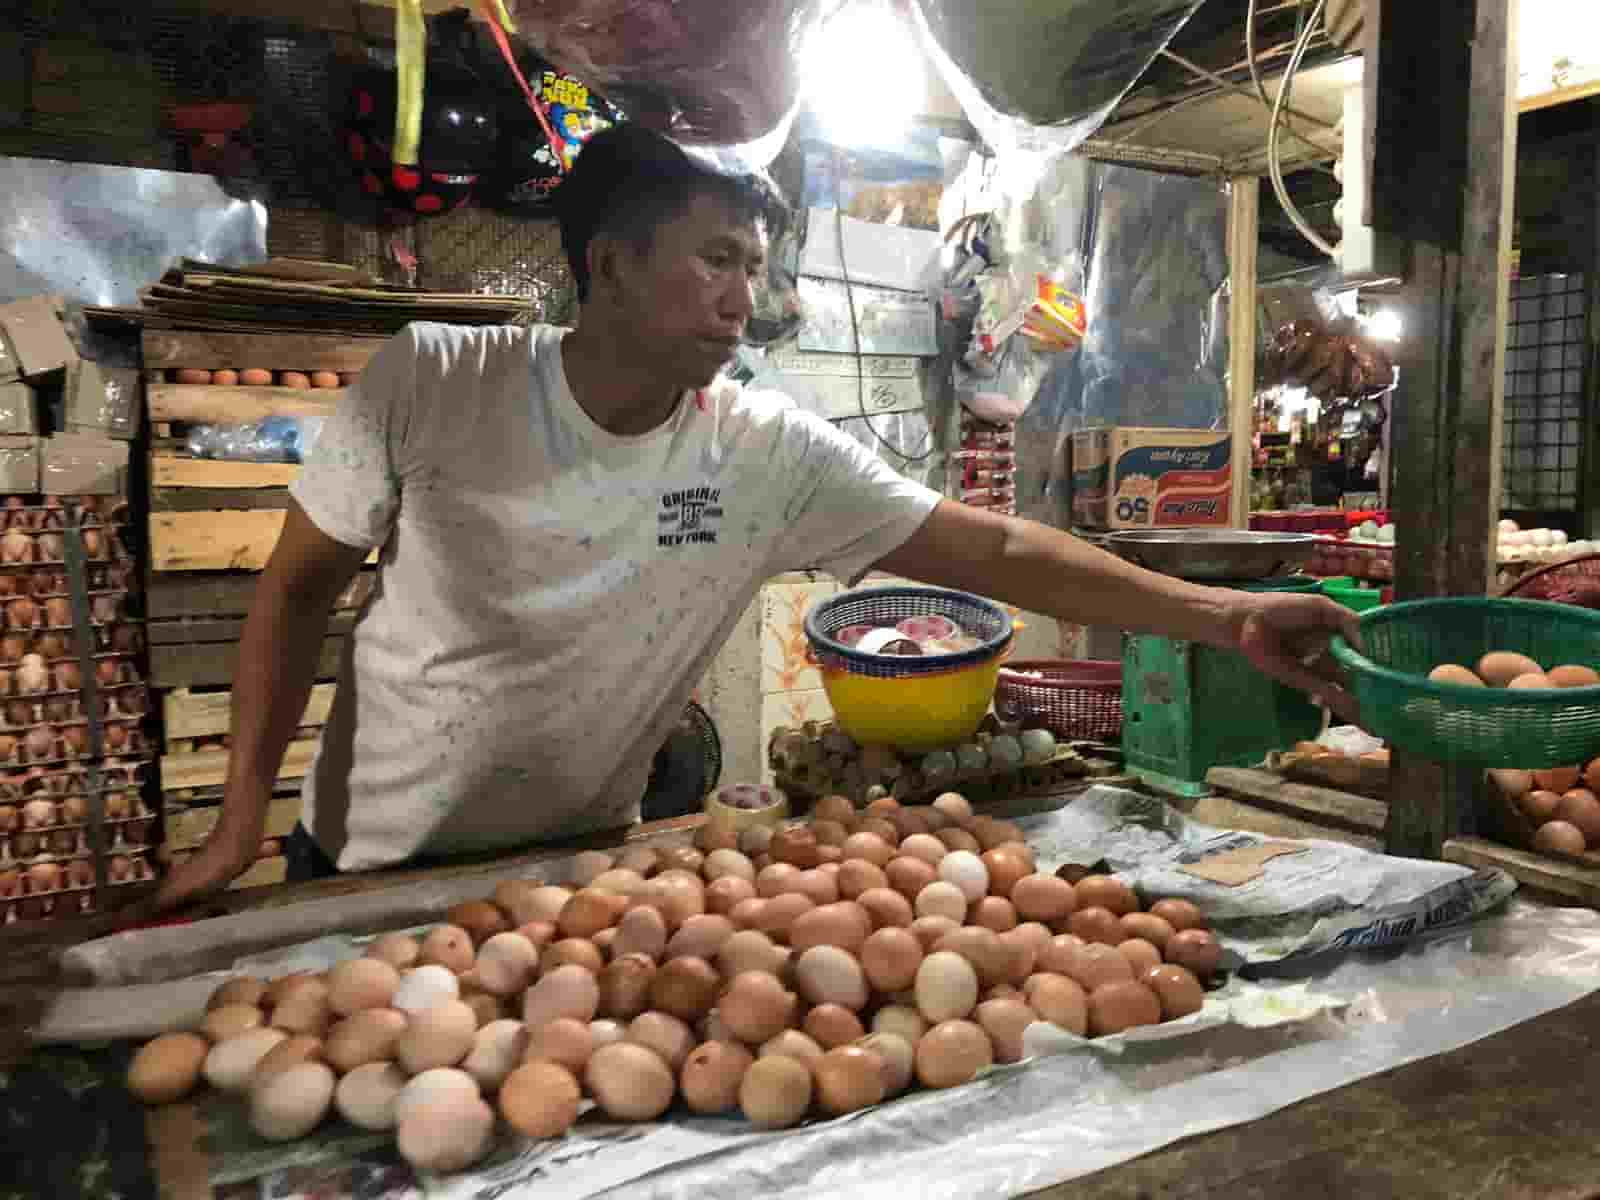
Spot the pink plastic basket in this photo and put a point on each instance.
(1076, 700)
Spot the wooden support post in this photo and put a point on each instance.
(1440, 81)
(1244, 197)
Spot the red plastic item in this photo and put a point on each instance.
(1075, 700)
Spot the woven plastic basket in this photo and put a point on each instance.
(1075, 700)
(1491, 727)
(1574, 580)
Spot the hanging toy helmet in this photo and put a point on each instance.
(527, 168)
(458, 134)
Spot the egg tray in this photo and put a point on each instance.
(1509, 824)
(44, 845)
(12, 622)
(107, 549)
(125, 702)
(21, 903)
(829, 770)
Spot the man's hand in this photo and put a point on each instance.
(1286, 636)
(217, 864)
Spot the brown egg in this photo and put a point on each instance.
(946, 987)
(1114, 1007)
(367, 1037)
(1540, 805)
(624, 985)
(1573, 676)
(819, 886)
(775, 1092)
(885, 906)
(829, 975)
(1580, 809)
(1500, 667)
(1096, 924)
(666, 1036)
(710, 837)
(1023, 949)
(1454, 673)
(925, 847)
(983, 949)
(857, 875)
(1004, 1021)
(225, 377)
(1108, 892)
(829, 833)
(1006, 867)
(565, 1041)
(589, 911)
(230, 1020)
(952, 1053)
(1591, 776)
(487, 1008)
(1556, 779)
(756, 1006)
(540, 1099)
(928, 930)
(301, 1048)
(1148, 926)
(712, 1076)
(908, 876)
(255, 377)
(700, 937)
(167, 1068)
(480, 919)
(1097, 963)
(954, 806)
(781, 914)
(324, 379)
(1060, 1000)
(303, 1008)
(796, 846)
(750, 950)
(1141, 955)
(641, 931)
(778, 879)
(1196, 949)
(1177, 988)
(959, 839)
(994, 912)
(399, 950)
(191, 375)
(361, 983)
(1533, 681)
(890, 958)
(832, 1025)
(679, 895)
(686, 988)
(747, 914)
(884, 830)
(1044, 898)
(723, 894)
(450, 946)
(845, 924)
(1180, 914)
(1559, 837)
(791, 1043)
(293, 379)
(540, 933)
(440, 1036)
(870, 847)
(847, 1079)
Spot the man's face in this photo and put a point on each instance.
(685, 300)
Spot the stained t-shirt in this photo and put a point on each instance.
(549, 593)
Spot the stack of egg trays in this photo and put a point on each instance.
(74, 754)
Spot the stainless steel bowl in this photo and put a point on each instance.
(1212, 554)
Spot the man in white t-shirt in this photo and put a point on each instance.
(570, 523)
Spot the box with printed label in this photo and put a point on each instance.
(1129, 478)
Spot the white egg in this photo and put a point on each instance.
(1386, 535)
(966, 870)
(1369, 530)
(1558, 537)
(1515, 537)
(1507, 525)
(423, 987)
(1539, 537)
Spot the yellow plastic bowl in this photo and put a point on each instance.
(915, 713)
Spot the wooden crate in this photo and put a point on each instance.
(188, 827)
(191, 714)
(209, 768)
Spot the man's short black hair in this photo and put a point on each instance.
(629, 180)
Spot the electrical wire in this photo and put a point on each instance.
(855, 329)
(1261, 87)
(1274, 167)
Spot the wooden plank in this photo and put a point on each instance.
(1441, 88)
(1303, 801)
(1570, 880)
(216, 540)
(1244, 201)
(207, 594)
(202, 499)
(210, 402)
(209, 768)
(278, 352)
(187, 713)
(177, 471)
(1566, 95)
(213, 664)
(264, 872)
(190, 631)
(1231, 814)
(189, 827)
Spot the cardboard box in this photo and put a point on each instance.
(72, 464)
(10, 368)
(1128, 478)
(829, 384)
(37, 336)
(101, 401)
(19, 464)
(19, 410)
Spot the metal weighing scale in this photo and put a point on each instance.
(1189, 707)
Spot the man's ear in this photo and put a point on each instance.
(609, 263)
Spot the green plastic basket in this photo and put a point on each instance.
(1346, 591)
(1490, 727)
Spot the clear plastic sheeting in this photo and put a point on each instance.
(718, 72)
(1037, 77)
(97, 234)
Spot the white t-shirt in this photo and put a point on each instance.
(550, 593)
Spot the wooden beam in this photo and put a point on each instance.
(203, 499)
(1539, 872)
(274, 351)
(188, 828)
(1441, 87)
(178, 471)
(1231, 814)
(200, 631)
(1304, 801)
(1244, 231)
(212, 664)
(187, 713)
(223, 404)
(216, 540)
(208, 768)
(214, 594)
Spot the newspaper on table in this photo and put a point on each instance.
(1281, 901)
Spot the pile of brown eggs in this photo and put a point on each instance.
(819, 968)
